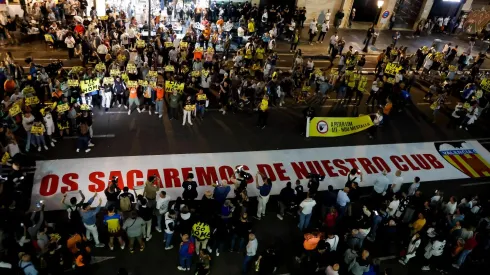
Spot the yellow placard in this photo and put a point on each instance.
(338, 126)
(108, 80)
(85, 107)
(392, 68)
(77, 69)
(152, 74)
(48, 38)
(132, 84)
(205, 73)
(37, 130)
(131, 68)
(174, 86)
(169, 68)
(115, 72)
(168, 44)
(184, 44)
(5, 158)
(143, 83)
(88, 86)
(63, 108)
(390, 80)
(195, 73)
(104, 17)
(14, 110)
(152, 84)
(100, 67)
(485, 84)
(140, 44)
(73, 83)
(190, 107)
(202, 97)
(32, 100)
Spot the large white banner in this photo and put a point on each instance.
(431, 161)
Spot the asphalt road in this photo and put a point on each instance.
(117, 134)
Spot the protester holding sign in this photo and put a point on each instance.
(133, 99)
(189, 107)
(37, 131)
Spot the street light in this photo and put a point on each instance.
(380, 4)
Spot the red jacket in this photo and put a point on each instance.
(470, 243)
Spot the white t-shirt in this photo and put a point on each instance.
(241, 32)
(450, 208)
(393, 206)
(307, 206)
(325, 27)
(162, 204)
(70, 42)
(397, 181)
(333, 242)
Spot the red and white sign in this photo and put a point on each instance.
(430, 161)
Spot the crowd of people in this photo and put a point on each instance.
(187, 64)
(342, 230)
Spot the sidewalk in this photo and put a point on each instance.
(355, 38)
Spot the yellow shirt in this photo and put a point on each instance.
(259, 53)
(352, 80)
(251, 27)
(418, 225)
(362, 84)
(264, 105)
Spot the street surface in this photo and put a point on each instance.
(117, 134)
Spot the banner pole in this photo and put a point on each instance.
(307, 127)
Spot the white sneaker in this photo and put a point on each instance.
(139, 110)
(46, 148)
(125, 107)
(129, 112)
(54, 140)
(224, 112)
(78, 150)
(180, 268)
(88, 150)
(425, 268)
(190, 123)
(160, 116)
(148, 238)
(100, 245)
(279, 217)
(111, 247)
(217, 253)
(170, 247)
(158, 229)
(183, 124)
(39, 149)
(149, 112)
(188, 269)
(52, 144)
(90, 144)
(119, 106)
(123, 246)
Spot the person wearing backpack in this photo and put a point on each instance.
(126, 201)
(25, 265)
(74, 205)
(169, 227)
(186, 250)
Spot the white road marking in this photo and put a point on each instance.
(94, 136)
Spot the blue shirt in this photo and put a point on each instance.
(221, 192)
(342, 198)
(381, 184)
(265, 190)
(88, 217)
(29, 268)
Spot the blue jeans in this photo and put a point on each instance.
(304, 220)
(82, 142)
(38, 140)
(241, 243)
(341, 211)
(200, 109)
(159, 107)
(462, 257)
(246, 263)
(185, 261)
(168, 239)
(159, 220)
(29, 141)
